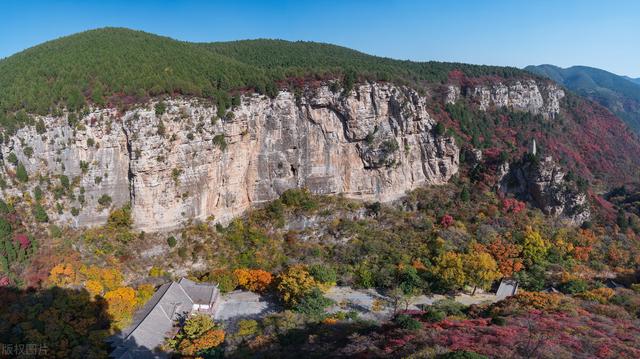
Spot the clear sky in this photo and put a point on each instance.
(604, 34)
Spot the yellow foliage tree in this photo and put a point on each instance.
(449, 270)
(121, 304)
(62, 274)
(110, 278)
(601, 295)
(94, 287)
(294, 284)
(480, 270)
(255, 280)
(534, 247)
(143, 293)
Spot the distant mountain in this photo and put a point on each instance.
(637, 80)
(620, 94)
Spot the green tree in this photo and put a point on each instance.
(39, 213)
(21, 173)
(313, 304)
(160, 108)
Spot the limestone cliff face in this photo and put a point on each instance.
(527, 95)
(374, 144)
(544, 183)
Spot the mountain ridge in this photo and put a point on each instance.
(619, 94)
(109, 64)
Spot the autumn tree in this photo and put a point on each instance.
(62, 274)
(94, 287)
(121, 304)
(294, 284)
(198, 335)
(507, 256)
(534, 247)
(448, 271)
(480, 270)
(255, 280)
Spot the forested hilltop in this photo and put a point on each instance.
(114, 65)
(343, 205)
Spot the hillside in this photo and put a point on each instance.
(619, 94)
(341, 205)
(636, 80)
(114, 65)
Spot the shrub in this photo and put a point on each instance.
(601, 295)
(175, 175)
(434, 315)
(40, 214)
(461, 355)
(4, 207)
(406, 322)
(247, 328)
(313, 304)
(37, 194)
(28, 151)
(449, 307)
(225, 279)
(12, 158)
(323, 273)
(219, 140)
(171, 241)
(40, 127)
(574, 286)
(156, 272)
(299, 199)
(5, 228)
(64, 182)
(84, 166)
(104, 200)
(21, 173)
(498, 320)
(121, 218)
(75, 211)
(160, 108)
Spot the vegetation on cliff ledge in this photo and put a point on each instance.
(115, 65)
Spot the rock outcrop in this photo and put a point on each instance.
(526, 95)
(373, 144)
(543, 183)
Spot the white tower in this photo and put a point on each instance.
(533, 147)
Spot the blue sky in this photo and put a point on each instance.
(604, 34)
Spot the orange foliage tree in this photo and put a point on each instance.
(507, 255)
(62, 274)
(255, 280)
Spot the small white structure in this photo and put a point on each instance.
(507, 288)
(533, 147)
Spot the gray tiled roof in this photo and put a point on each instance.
(155, 321)
(199, 293)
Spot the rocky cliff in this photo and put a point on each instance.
(373, 144)
(525, 95)
(543, 183)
